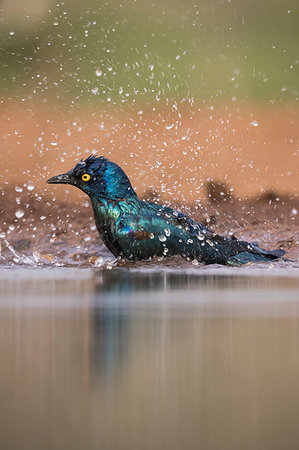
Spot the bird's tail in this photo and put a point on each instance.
(254, 254)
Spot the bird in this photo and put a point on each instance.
(137, 230)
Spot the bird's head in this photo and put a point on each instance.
(97, 177)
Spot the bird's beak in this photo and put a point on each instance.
(64, 178)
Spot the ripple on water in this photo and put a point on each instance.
(98, 257)
(72, 247)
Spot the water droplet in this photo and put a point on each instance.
(99, 261)
(53, 143)
(167, 231)
(254, 123)
(11, 33)
(95, 90)
(168, 127)
(162, 238)
(195, 262)
(19, 213)
(294, 211)
(30, 186)
(18, 189)
(98, 72)
(36, 255)
(151, 236)
(200, 237)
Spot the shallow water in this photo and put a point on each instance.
(149, 359)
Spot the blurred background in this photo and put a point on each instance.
(198, 102)
(179, 93)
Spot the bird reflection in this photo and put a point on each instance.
(112, 319)
(109, 332)
(121, 282)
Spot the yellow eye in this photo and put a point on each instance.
(86, 177)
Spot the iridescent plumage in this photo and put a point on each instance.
(137, 230)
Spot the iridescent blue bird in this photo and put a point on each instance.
(138, 230)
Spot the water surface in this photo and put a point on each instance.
(149, 359)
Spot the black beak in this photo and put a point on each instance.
(64, 178)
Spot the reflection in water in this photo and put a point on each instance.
(109, 334)
(148, 360)
(123, 281)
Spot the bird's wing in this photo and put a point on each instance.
(153, 229)
(177, 218)
(151, 218)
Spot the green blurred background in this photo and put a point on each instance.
(126, 52)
